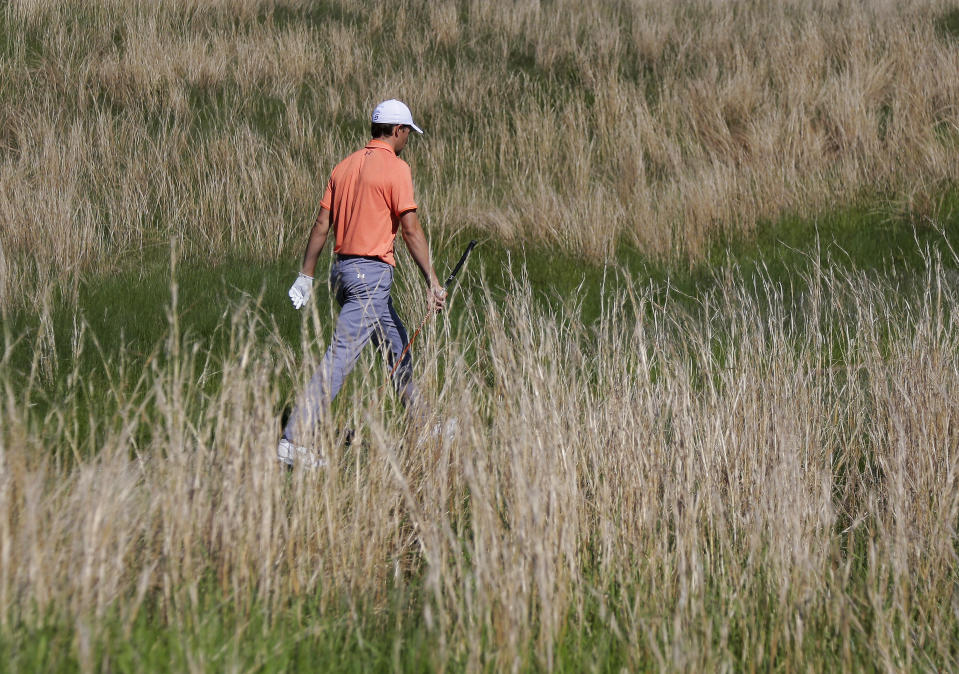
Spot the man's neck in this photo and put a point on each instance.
(386, 140)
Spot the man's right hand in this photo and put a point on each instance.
(300, 292)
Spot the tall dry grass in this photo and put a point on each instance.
(570, 123)
(739, 482)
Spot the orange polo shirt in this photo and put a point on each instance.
(367, 193)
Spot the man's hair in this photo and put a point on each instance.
(378, 130)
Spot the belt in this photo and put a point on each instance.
(358, 257)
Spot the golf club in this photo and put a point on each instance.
(446, 286)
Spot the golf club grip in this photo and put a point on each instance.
(459, 264)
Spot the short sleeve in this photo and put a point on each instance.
(327, 201)
(402, 190)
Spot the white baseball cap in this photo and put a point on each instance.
(394, 112)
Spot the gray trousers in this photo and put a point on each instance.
(362, 288)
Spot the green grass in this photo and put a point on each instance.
(129, 310)
(219, 636)
(948, 24)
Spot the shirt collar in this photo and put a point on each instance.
(376, 143)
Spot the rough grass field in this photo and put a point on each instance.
(575, 124)
(703, 362)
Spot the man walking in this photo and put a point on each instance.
(368, 198)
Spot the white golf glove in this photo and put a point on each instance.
(300, 292)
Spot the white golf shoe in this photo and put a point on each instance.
(293, 455)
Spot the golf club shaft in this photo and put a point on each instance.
(456, 269)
